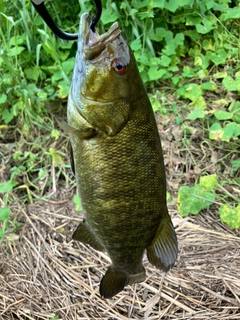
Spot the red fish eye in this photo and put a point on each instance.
(119, 66)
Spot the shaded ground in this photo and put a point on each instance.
(43, 274)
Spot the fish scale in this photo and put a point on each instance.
(118, 161)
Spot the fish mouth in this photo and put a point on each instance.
(92, 43)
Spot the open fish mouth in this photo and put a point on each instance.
(92, 43)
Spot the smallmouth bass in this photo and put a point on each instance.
(117, 159)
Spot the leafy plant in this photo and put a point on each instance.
(77, 202)
(192, 200)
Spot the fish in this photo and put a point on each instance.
(117, 159)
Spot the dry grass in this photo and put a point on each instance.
(44, 274)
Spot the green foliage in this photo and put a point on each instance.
(230, 216)
(191, 200)
(77, 202)
(6, 227)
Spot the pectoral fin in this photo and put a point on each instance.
(163, 250)
(84, 235)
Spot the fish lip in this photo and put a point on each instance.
(92, 43)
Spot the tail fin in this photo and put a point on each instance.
(113, 282)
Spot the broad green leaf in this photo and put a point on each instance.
(138, 4)
(15, 51)
(228, 131)
(183, 3)
(235, 107)
(208, 44)
(7, 116)
(7, 186)
(158, 3)
(32, 73)
(236, 119)
(230, 216)
(159, 35)
(223, 115)
(220, 75)
(192, 91)
(199, 103)
(165, 61)
(208, 182)
(4, 213)
(211, 86)
(42, 95)
(205, 27)
(216, 131)
(230, 84)
(191, 200)
(237, 130)
(68, 65)
(171, 5)
(219, 57)
(197, 113)
(3, 98)
(232, 13)
(136, 45)
(202, 61)
(155, 73)
(108, 15)
(172, 43)
(63, 89)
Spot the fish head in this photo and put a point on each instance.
(103, 77)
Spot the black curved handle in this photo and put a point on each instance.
(97, 16)
(41, 9)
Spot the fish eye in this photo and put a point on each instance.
(119, 66)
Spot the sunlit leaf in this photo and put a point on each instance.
(215, 131)
(77, 202)
(208, 182)
(191, 200)
(223, 115)
(230, 216)
(4, 213)
(197, 113)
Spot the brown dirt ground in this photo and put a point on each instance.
(43, 273)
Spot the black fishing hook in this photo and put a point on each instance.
(41, 9)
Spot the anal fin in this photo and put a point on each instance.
(84, 235)
(163, 250)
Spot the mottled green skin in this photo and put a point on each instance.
(119, 169)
